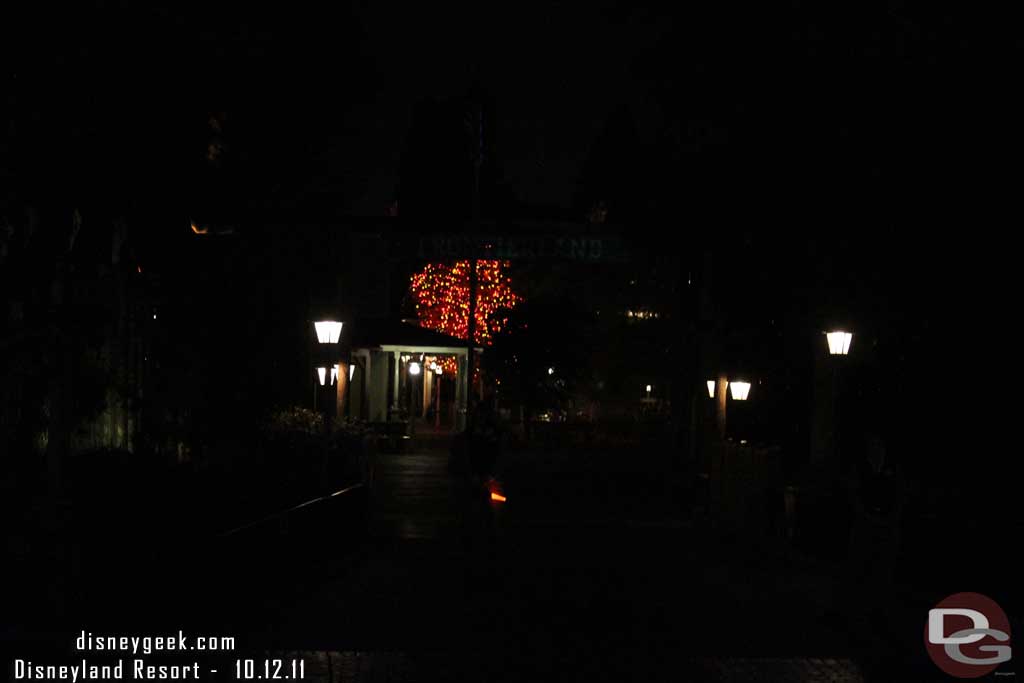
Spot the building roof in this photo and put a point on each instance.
(380, 332)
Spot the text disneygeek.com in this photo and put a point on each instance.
(101, 667)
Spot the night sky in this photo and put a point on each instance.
(319, 100)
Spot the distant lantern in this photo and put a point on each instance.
(711, 388)
(322, 372)
(648, 389)
(438, 369)
(414, 367)
(328, 331)
(551, 371)
(839, 342)
(740, 390)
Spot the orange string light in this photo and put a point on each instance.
(441, 292)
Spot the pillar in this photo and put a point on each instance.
(396, 398)
(428, 384)
(377, 385)
(461, 393)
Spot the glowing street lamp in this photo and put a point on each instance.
(321, 374)
(839, 342)
(740, 390)
(328, 331)
(551, 371)
(648, 391)
(414, 368)
(326, 351)
(830, 422)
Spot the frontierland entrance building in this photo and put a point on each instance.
(402, 371)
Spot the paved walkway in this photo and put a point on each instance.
(552, 591)
(591, 573)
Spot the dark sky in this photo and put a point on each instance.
(319, 98)
(555, 73)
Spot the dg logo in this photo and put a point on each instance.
(968, 635)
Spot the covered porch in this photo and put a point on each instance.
(401, 372)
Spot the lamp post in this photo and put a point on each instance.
(740, 391)
(825, 416)
(839, 342)
(815, 505)
(327, 355)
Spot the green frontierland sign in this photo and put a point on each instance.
(579, 248)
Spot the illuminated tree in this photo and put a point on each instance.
(441, 292)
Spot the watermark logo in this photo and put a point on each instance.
(967, 635)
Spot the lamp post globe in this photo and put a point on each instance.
(328, 331)
(740, 390)
(839, 342)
